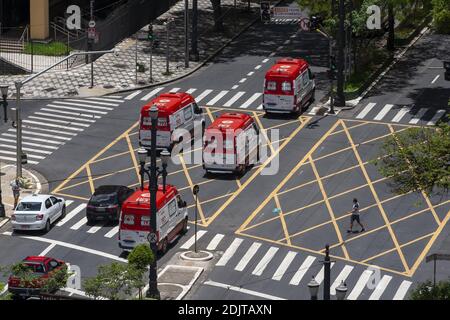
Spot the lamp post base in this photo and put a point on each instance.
(153, 293)
(2, 211)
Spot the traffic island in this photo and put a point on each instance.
(196, 256)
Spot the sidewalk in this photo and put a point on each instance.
(33, 184)
(116, 72)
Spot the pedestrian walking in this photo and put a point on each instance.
(355, 216)
(15, 186)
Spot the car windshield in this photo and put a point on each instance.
(29, 206)
(104, 198)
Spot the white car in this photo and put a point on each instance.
(38, 212)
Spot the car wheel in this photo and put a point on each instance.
(63, 212)
(90, 221)
(47, 226)
(184, 230)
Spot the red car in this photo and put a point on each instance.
(42, 269)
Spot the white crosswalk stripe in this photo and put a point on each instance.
(402, 290)
(62, 117)
(174, 90)
(83, 105)
(284, 265)
(298, 276)
(76, 109)
(30, 144)
(34, 133)
(151, 94)
(399, 116)
(359, 286)
(51, 125)
(230, 102)
(418, 115)
(95, 103)
(438, 115)
(383, 112)
(191, 241)
(90, 116)
(259, 269)
(379, 289)
(25, 149)
(132, 95)
(252, 99)
(366, 110)
(319, 277)
(14, 154)
(341, 277)
(191, 91)
(247, 256)
(71, 214)
(60, 121)
(112, 232)
(94, 229)
(215, 241)
(108, 99)
(79, 224)
(202, 95)
(14, 159)
(219, 96)
(229, 252)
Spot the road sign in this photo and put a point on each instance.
(92, 24)
(152, 238)
(91, 33)
(304, 24)
(287, 12)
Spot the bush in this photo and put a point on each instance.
(441, 16)
(141, 257)
(47, 49)
(426, 291)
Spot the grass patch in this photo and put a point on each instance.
(47, 49)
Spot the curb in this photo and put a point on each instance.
(184, 256)
(209, 58)
(3, 222)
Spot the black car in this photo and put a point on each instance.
(106, 203)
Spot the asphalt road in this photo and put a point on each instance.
(323, 163)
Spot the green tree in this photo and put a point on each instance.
(93, 287)
(417, 159)
(138, 261)
(426, 291)
(111, 282)
(441, 15)
(57, 280)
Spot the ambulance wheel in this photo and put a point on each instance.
(313, 96)
(63, 212)
(164, 246)
(184, 230)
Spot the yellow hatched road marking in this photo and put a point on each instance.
(70, 195)
(89, 176)
(133, 158)
(330, 209)
(283, 221)
(375, 195)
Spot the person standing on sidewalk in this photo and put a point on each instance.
(15, 186)
(355, 216)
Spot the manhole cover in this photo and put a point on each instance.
(108, 86)
(49, 89)
(120, 65)
(72, 92)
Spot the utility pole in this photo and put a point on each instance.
(18, 132)
(327, 274)
(167, 45)
(340, 98)
(194, 37)
(186, 33)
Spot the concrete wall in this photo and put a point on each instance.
(39, 15)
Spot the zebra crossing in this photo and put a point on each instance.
(208, 97)
(54, 125)
(296, 268)
(401, 114)
(285, 21)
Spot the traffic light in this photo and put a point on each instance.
(332, 72)
(447, 70)
(265, 11)
(150, 32)
(315, 22)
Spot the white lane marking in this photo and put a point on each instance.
(383, 111)
(258, 66)
(259, 269)
(49, 130)
(217, 97)
(250, 73)
(360, 284)
(341, 277)
(174, 90)
(251, 100)
(68, 202)
(402, 289)
(298, 276)
(43, 134)
(191, 91)
(366, 110)
(47, 250)
(63, 117)
(229, 252)
(379, 289)
(234, 87)
(215, 242)
(319, 277)
(260, 107)
(279, 48)
(90, 116)
(67, 123)
(293, 36)
(418, 115)
(115, 97)
(400, 114)
(284, 265)
(28, 138)
(241, 290)
(14, 153)
(435, 78)
(247, 256)
(203, 95)
(265, 60)
(242, 80)
(76, 109)
(75, 247)
(25, 149)
(191, 240)
(79, 224)
(52, 125)
(272, 54)
(71, 214)
(230, 102)
(151, 94)
(132, 95)
(106, 99)
(96, 102)
(286, 42)
(112, 232)
(436, 117)
(5, 288)
(30, 144)
(87, 106)
(94, 229)
(314, 111)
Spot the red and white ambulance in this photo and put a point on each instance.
(175, 111)
(171, 220)
(231, 144)
(288, 86)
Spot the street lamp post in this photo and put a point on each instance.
(18, 132)
(341, 291)
(313, 286)
(195, 191)
(4, 92)
(153, 172)
(186, 33)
